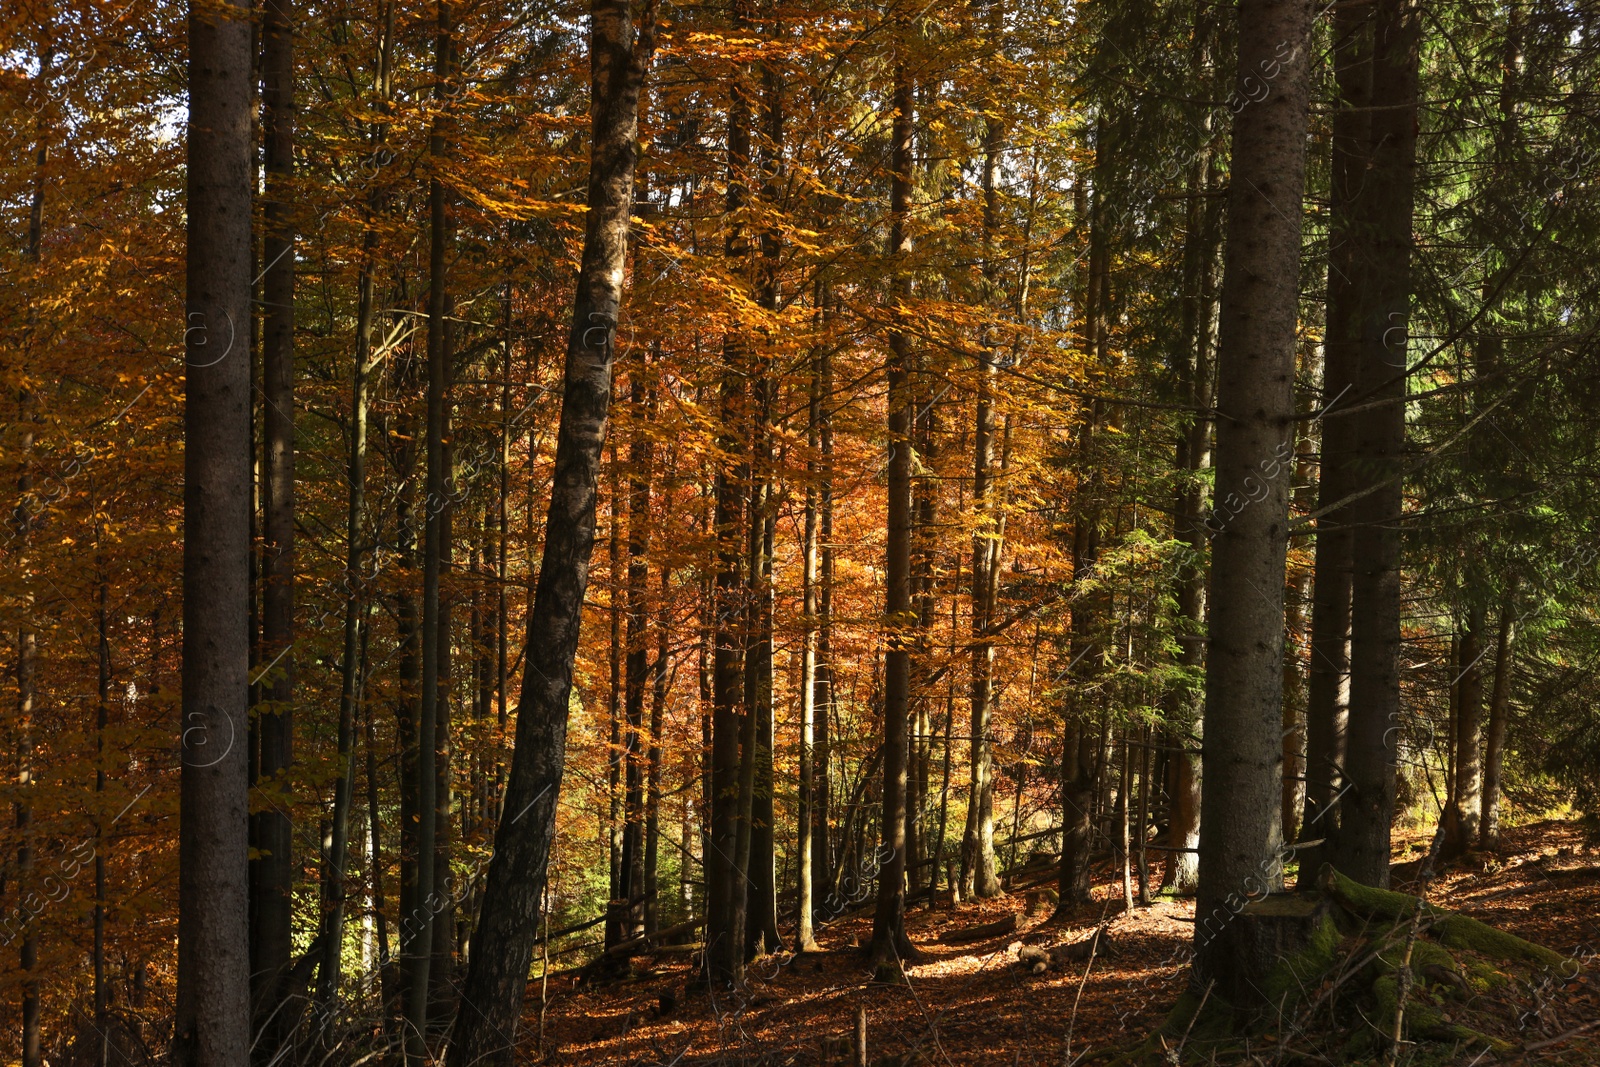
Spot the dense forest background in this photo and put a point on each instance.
(906, 502)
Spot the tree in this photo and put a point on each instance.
(507, 920)
(272, 887)
(1372, 748)
(1240, 756)
(890, 946)
(1327, 689)
(212, 1024)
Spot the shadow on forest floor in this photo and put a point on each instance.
(973, 1004)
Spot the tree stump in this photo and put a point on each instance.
(1293, 929)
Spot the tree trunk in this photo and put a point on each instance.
(350, 679)
(273, 873)
(640, 459)
(658, 711)
(1240, 828)
(1462, 820)
(1077, 802)
(890, 946)
(726, 887)
(761, 927)
(425, 910)
(102, 989)
(1298, 592)
(1196, 369)
(1367, 809)
(1333, 567)
(806, 847)
(211, 1026)
(508, 921)
(403, 449)
(980, 877)
(616, 757)
(27, 636)
(821, 846)
(1495, 737)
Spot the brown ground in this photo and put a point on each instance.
(972, 1004)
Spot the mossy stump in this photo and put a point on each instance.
(1339, 971)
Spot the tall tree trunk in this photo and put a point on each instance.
(1495, 736)
(806, 848)
(979, 876)
(27, 636)
(1240, 829)
(1196, 367)
(640, 458)
(658, 711)
(615, 755)
(380, 912)
(419, 951)
(821, 774)
(508, 921)
(211, 1026)
(1367, 809)
(350, 680)
(726, 886)
(1297, 593)
(890, 946)
(1079, 757)
(102, 989)
(408, 673)
(1333, 568)
(1462, 820)
(273, 873)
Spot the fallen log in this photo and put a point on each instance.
(1042, 958)
(980, 933)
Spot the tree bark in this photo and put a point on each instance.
(272, 874)
(978, 839)
(419, 958)
(806, 847)
(821, 840)
(726, 887)
(1462, 820)
(1367, 809)
(1333, 567)
(508, 921)
(350, 680)
(1495, 737)
(890, 946)
(212, 1013)
(1196, 387)
(658, 711)
(27, 635)
(641, 456)
(1240, 828)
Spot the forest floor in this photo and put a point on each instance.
(973, 1004)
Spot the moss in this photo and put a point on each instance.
(1456, 1032)
(1423, 954)
(1421, 1017)
(1305, 968)
(1484, 978)
(1371, 902)
(1455, 931)
(1462, 932)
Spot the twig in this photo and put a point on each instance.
(1177, 1053)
